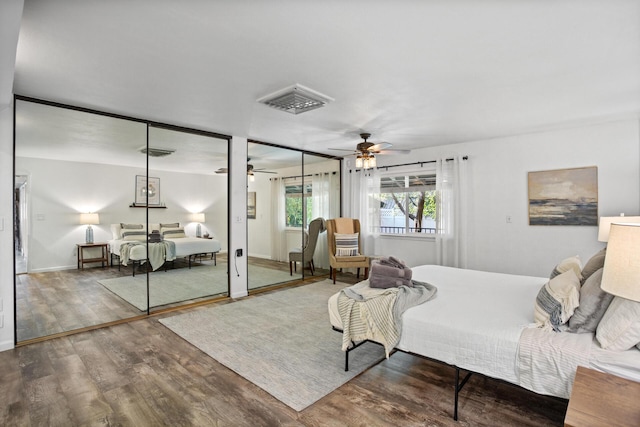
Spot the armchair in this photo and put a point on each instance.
(305, 254)
(338, 260)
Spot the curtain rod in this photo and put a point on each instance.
(304, 176)
(409, 164)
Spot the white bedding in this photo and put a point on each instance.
(185, 246)
(476, 320)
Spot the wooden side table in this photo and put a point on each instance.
(600, 399)
(104, 258)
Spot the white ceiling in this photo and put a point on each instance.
(413, 73)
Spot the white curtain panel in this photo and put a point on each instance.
(365, 206)
(452, 212)
(325, 204)
(278, 221)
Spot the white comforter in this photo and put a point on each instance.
(476, 322)
(185, 246)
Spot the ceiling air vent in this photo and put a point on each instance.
(296, 99)
(156, 152)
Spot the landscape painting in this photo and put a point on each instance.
(564, 197)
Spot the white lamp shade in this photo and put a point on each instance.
(606, 221)
(89, 218)
(197, 217)
(621, 274)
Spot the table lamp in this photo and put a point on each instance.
(199, 218)
(621, 274)
(89, 219)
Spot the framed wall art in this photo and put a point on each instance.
(150, 189)
(251, 205)
(564, 197)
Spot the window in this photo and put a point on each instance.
(295, 199)
(407, 204)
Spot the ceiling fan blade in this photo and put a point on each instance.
(340, 149)
(223, 170)
(380, 146)
(261, 171)
(394, 152)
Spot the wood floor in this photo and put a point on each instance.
(61, 301)
(141, 374)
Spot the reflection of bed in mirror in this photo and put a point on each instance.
(129, 244)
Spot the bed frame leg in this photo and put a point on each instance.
(458, 387)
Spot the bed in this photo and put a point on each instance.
(482, 322)
(129, 244)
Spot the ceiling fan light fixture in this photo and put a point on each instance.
(372, 161)
(359, 161)
(296, 99)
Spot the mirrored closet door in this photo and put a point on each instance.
(187, 217)
(74, 179)
(287, 189)
(90, 191)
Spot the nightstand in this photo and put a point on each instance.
(104, 258)
(600, 399)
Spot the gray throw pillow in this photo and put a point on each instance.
(593, 304)
(594, 264)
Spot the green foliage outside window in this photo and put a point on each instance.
(293, 205)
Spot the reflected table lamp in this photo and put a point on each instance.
(89, 219)
(621, 274)
(198, 218)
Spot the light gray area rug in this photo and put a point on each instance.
(281, 341)
(184, 284)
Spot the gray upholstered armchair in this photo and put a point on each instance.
(305, 255)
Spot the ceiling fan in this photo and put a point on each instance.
(250, 171)
(365, 151)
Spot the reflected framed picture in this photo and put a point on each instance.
(251, 205)
(564, 197)
(147, 193)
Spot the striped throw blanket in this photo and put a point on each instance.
(158, 253)
(376, 314)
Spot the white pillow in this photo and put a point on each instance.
(619, 329)
(571, 263)
(140, 235)
(172, 232)
(557, 300)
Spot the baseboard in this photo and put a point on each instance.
(6, 345)
(260, 256)
(46, 270)
(239, 294)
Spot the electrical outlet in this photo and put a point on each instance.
(238, 252)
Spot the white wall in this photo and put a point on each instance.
(238, 273)
(59, 190)
(6, 227)
(498, 174)
(259, 229)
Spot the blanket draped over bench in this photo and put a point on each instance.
(376, 314)
(158, 253)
